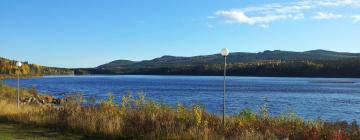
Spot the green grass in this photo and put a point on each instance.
(12, 131)
(137, 118)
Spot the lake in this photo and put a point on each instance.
(330, 99)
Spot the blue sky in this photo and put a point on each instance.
(87, 33)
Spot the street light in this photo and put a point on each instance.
(18, 65)
(224, 52)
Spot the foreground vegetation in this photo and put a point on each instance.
(136, 118)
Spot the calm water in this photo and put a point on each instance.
(328, 98)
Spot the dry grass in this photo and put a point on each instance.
(136, 118)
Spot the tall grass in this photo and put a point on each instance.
(137, 118)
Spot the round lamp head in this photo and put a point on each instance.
(225, 52)
(19, 64)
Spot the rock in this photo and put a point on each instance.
(56, 101)
(48, 99)
(41, 100)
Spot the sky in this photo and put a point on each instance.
(87, 33)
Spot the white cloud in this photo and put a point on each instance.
(237, 16)
(296, 16)
(337, 3)
(356, 18)
(266, 14)
(264, 26)
(324, 15)
(280, 8)
(240, 17)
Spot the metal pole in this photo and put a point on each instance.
(18, 90)
(224, 93)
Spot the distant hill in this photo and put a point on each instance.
(117, 64)
(8, 69)
(237, 57)
(315, 63)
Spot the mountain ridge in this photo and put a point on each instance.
(275, 63)
(235, 57)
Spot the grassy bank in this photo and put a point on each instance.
(13, 131)
(137, 118)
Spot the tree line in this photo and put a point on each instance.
(8, 68)
(290, 68)
(349, 67)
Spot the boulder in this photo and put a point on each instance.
(48, 99)
(56, 101)
(41, 100)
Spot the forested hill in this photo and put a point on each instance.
(315, 63)
(238, 57)
(8, 69)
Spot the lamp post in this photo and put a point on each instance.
(18, 65)
(224, 52)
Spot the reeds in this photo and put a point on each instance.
(137, 118)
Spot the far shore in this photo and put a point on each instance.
(3, 77)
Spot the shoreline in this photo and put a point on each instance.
(169, 75)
